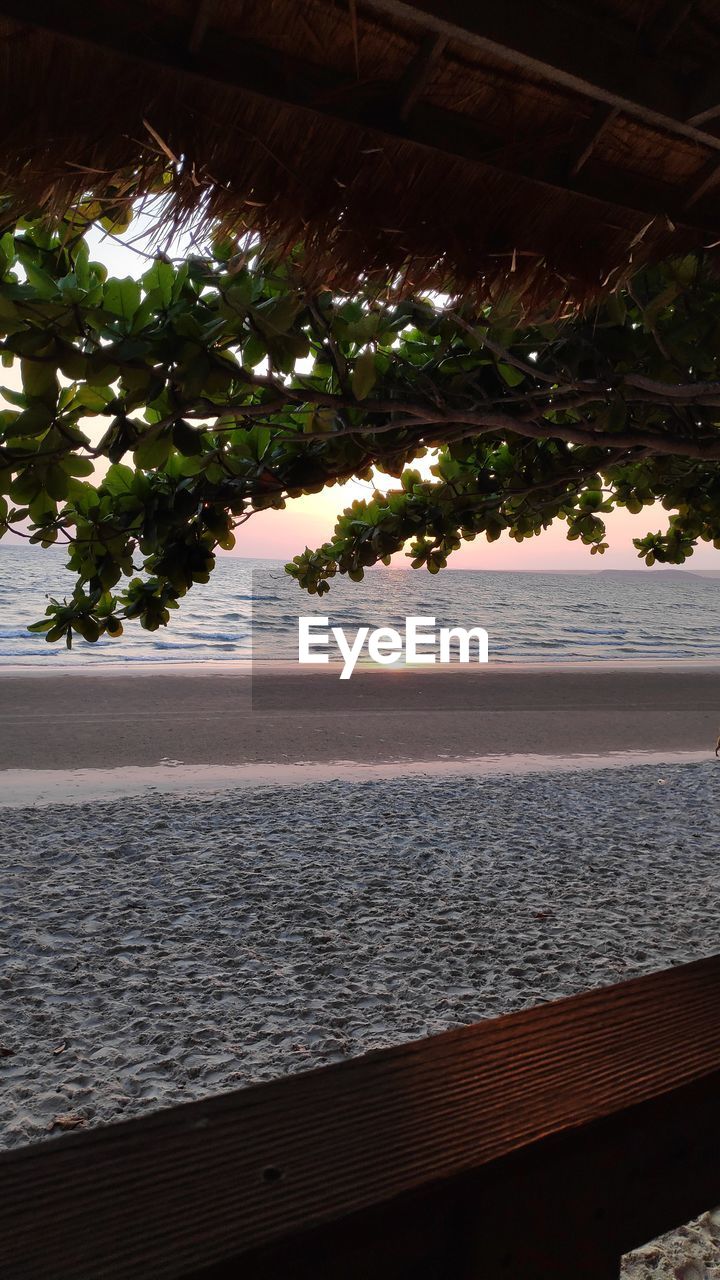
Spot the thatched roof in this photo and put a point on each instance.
(472, 139)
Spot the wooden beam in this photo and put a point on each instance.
(569, 1208)
(561, 43)
(646, 197)
(418, 73)
(706, 115)
(704, 106)
(666, 22)
(540, 1144)
(565, 44)
(602, 117)
(201, 20)
(264, 73)
(707, 179)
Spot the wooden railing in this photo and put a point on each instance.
(540, 1145)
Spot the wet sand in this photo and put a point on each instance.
(104, 719)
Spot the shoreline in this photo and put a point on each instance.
(39, 788)
(282, 716)
(281, 666)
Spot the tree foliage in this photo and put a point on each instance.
(221, 385)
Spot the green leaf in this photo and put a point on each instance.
(72, 363)
(41, 281)
(26, 485)
(364, 374)
(277, 315)
(617, 309)
(253, 352)
(153, 449)
(510, 375)
(160, 279)
(87, 628)
(77, 466)
(57, 482)
(34, 421)
(93, 399)
(187, 439)
(118, 479)
(122, 297)
(7, 251)
(9, 309)
(13, 397)
(40, 381)
(118, 221)
(41, 507)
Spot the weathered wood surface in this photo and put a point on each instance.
(542, 1143)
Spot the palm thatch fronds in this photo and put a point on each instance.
(451, 145)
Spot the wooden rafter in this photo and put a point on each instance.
(708, 179)
(566, 45)
(203, 14)
(258, 70)
(602, 117)
(705, 103)
(666, 22)
(419, 72)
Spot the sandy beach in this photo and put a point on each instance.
(157, 950)
(159, 947)
(100, 719)
(154, 952)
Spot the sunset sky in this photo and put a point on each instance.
(309, 522)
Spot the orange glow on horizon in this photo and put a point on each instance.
(309, 521)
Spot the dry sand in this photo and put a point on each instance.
(152, 952)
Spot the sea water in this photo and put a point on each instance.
(250, 609)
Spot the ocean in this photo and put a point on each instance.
(250, 609)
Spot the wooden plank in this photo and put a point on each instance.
(261, 72)
(621, 1083)
(566, 1208)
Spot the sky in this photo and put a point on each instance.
(309, 521)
